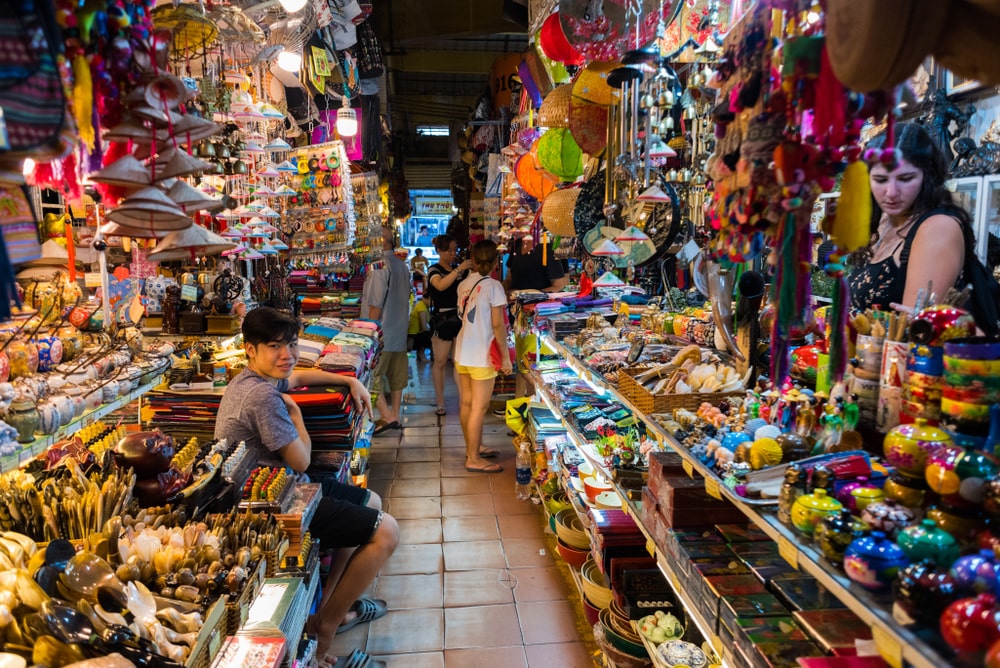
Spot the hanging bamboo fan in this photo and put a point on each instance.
(193, 31)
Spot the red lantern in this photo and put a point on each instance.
(554, 44)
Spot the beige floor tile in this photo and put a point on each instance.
(414, 507)
(450, 428)
(539, 584)
(404, 592)
(481, 626)
(419, 453)
(382, 471)
(467, 505)
(348, 641)
(458, 529)
(420, 441)
(430, 433)
(418, 409)
(418, 660)
(386, 437)
(418, 470)
(507, 657)
(472, 555)
(416, 487)
(407, 631)
(454, 467)
(526, 552)
(458, 486)
(520, 526)
(380, 487)
(424, 558)
(422, 420)
(547, 622)
(507, 504)
(380, 455)
(564, 655)
(478, 587)
(413, 532)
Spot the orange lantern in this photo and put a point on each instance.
(532, 178)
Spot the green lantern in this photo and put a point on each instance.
(559, 154)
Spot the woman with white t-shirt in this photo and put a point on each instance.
(481, 304)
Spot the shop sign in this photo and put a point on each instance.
(432, 206)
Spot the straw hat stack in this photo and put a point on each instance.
(158, 202)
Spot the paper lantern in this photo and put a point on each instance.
(592, 84)
(589, 124)
(557, 211)
(554, 44)
(554, 112)
(559, 154)
(532, 178)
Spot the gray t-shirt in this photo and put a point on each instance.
(252, 410)
(392, 295)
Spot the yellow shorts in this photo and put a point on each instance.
(477, 372)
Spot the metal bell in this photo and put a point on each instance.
(206, 150)
(240, 167)
(221, 150)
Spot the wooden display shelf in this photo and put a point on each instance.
(897, 644)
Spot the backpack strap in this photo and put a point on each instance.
(468, 296)
(904, 256)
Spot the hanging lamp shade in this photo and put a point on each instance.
(559, 154)
(554, 112)
(592, 84)
(557, 211)
(554, 44)
(532, 178)
(589, 124)
(609, 280)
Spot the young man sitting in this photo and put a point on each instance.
(255, 408)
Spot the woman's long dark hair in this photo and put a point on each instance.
(917, 148)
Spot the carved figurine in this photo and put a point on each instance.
(172, 310)
(939, 121)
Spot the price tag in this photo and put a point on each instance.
(689, 469)
(788, 551)
(651, 548)
(888, 647)
(92, 279)
(189, 293)
(712, 487)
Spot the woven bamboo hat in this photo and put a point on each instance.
(877, 44)
(554, 112)
(557, 211)
(126, 172)
(134, 130)
(191, 199)
(181, 244)
(175, 162)
(115, 229)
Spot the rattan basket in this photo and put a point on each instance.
(649, 403)
(557, 211)
(554, 112)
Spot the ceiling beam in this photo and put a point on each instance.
(421, 20)
(430, 60)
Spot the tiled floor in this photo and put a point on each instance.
(473, 582)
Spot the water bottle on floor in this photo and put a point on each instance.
(522, 472)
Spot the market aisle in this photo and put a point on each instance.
(473, 582)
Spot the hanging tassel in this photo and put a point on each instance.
(849, 228)
(83, 100)
(837, 318)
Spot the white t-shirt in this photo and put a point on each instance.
(473, 346)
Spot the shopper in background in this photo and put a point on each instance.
(386, 298)
(917, 230)
(529, 270)
(420, 327)
(482, 306)
(418, 265)
(423, 237)
(256, 409)
(442, 286)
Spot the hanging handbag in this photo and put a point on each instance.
(31, 90)
(984, 303)
(371, 63)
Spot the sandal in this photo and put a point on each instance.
(383, 426)
(368, 609)
(488, 453)
(358, 659)
(441, 410)
(491, 468)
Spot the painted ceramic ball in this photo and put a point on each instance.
(733, 439)
(909, 446)
(941, 474)
(971, 624)
(923, 590)
(793, 447)
(977, 572)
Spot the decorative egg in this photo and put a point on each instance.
(977, 572)
(927, 541)
(873, 561)
(765, 452)
(908, 446)
(923, 590)
(971, 624)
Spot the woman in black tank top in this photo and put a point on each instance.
(906, 199)
(442, 286)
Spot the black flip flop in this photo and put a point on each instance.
(367, 609)
(387, 426)
(358, 659)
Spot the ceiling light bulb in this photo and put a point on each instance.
(347, 120)
(292, 6)
(290, 61)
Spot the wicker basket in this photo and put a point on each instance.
(557, 211)
(650, 403)
(554, 112)
(213, 633)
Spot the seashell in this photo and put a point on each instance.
(187, 593)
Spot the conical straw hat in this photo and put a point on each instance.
(133, 130)
(151, 217)
(114, 229)
(174, 162)
(195, 128)
(126, 172)
(178, 245)
(192, 199)
(159, 116)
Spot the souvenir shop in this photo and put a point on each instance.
(736, 461)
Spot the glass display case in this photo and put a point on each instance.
(980, 196)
